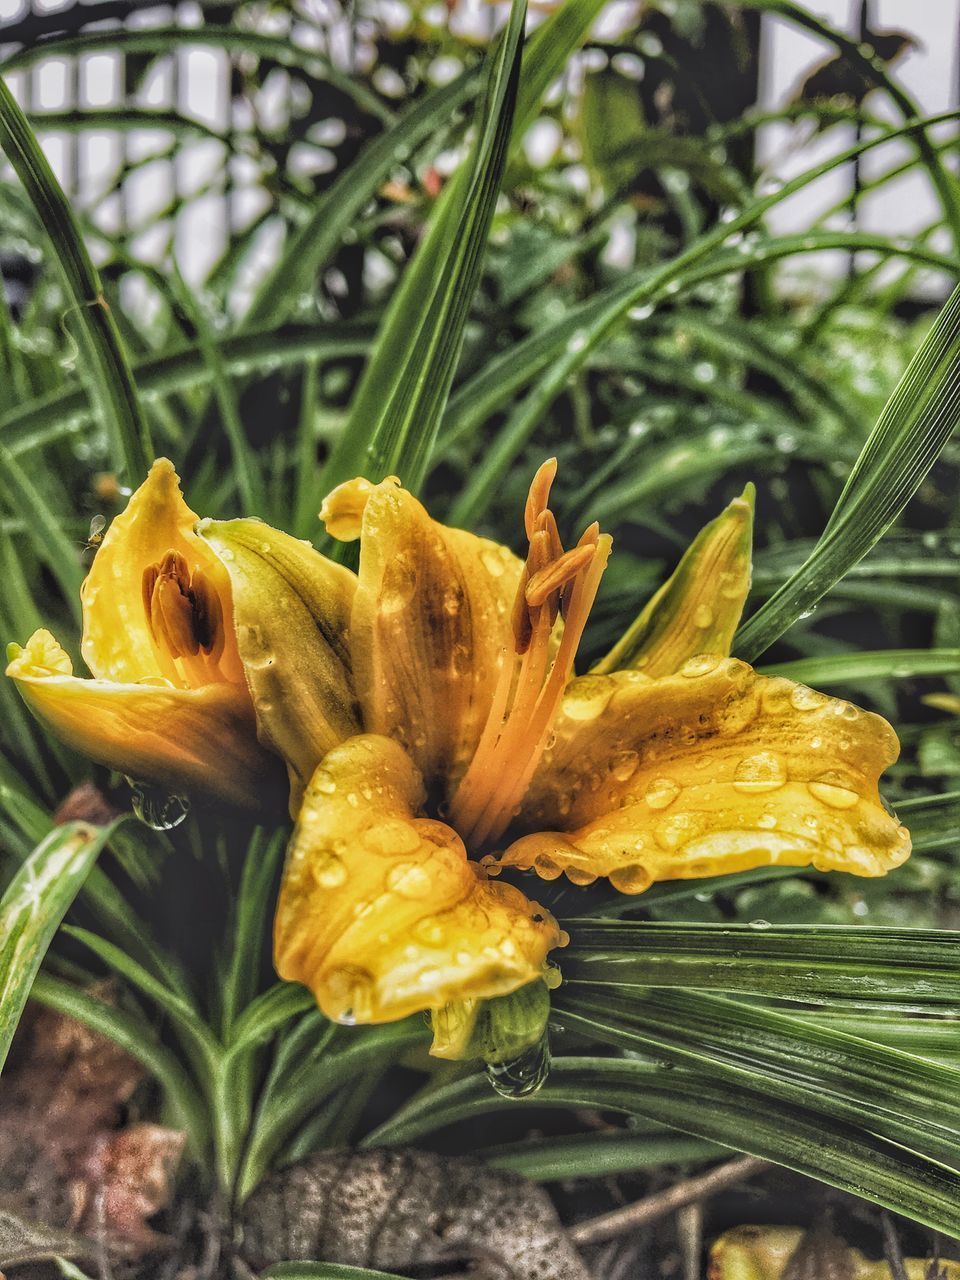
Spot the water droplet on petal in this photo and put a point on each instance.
(587, 698)
(624, 765)
(833, 789)
(703, 616)
(764, 771)
(702, 665)
(802, 698)
(409, 880)
(329, 871)
(661, 793)
(631, 879)
(523, 1075)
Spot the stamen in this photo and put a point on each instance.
(185, 615)
(530, 687)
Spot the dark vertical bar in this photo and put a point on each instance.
(863, 34)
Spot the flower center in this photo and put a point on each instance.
(534, 669)
(186, 619)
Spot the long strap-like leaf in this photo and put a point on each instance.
(110, 380)
(916, 423)
(396, 411)
(35, 902)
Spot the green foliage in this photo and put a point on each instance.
(457, 336)
(32, 907)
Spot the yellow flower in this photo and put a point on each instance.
(770, 1253)
(168, 702)
(427, 708)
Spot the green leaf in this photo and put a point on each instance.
(51, 417)
(913, 428)
(305, 1073)
(737, 1114)
(35, 901)
(895, 664)
(601, 316)
(504, 374)
(137, 1038)
(111, 382)
(854, 966)
(598, 1155)
(334, 213)
(396, 410)
(197, 1037)
(791, 1061)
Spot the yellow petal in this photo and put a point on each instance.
(430, 624)
(381, 914)
(770, 1253)
(713, 770)
(118, 641)
(292, 611)
(696, 610)
(180, 738)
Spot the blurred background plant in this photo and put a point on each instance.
(685, 286)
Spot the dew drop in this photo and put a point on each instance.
(700, 666)
(632, 878)
(157, 808)
(832, 789)
(703, 616)
(760, 924)
(755, 774)
(803, 698)
(587, 698)
(661, 793)
(329, 870)
(624, 765)
(523, 1075)
(409, 880)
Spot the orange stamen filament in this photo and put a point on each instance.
(530, 687)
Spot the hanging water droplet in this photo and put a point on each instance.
(157, 808)
(523, 1075)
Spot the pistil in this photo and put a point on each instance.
(534, 668)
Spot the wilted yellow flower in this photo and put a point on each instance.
(427, 707)
(168, 702)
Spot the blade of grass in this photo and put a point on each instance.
(915, 425)
(693, 1100)
(137, 1038)
(422, 335)
(603, 316)
(57, 414)
(893, 664)
(111, 382)
(910, 970)
(335, 211)
(361, 450)
(35, 902)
